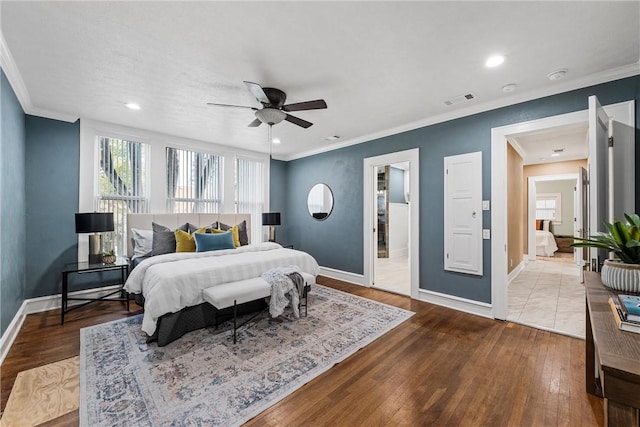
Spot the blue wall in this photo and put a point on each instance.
(53, 150)
(12, 204)
(277, 197)
(337, 242)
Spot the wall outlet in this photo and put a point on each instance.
(486, 234)
(486, 205)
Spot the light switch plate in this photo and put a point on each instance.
(485, 205)
(486, 233)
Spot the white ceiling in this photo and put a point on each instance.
(538, 146)
(382, 67)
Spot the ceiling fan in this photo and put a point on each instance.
(273, 109)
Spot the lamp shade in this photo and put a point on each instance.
(94, 222)
(271, 218)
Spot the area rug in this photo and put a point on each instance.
(204, 379)
(42, 394)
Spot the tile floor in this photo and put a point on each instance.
(392, 274)
(548, 295)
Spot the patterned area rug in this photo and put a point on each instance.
(204, 379)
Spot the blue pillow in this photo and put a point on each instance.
(206, 242)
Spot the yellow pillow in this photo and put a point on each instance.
(185, 242)
(234, 233)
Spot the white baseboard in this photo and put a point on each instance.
(457, 303)
(40, 304)
(514, 273)
(345, 276)
(11, 332)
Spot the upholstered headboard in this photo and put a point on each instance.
(143, 221)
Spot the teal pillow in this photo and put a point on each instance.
(206, 242)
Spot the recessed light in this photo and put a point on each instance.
(332, 138)
(275, 141)
(555, 154)
(494, 61)
(557, 74)
(132, 106)
(509, 88)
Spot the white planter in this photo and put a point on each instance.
(620, 276)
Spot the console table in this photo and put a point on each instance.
(612, 358)
(121, 265)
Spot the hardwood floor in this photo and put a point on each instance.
(441, 367)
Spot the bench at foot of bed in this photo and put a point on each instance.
(236, 293)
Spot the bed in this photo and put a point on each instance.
(545, 243)
(170, 285)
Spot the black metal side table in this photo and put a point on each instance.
(121, 264)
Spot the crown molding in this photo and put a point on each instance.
(10, 68)
(13, 75)
(554, 89)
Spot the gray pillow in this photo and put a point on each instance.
(242, 232)
(164, 239)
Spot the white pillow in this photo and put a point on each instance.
(142, 242)
(545, 224)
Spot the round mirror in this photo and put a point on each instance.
(320, 202)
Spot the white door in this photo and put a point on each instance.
(598, 176)
(581, 211)
(463, 213)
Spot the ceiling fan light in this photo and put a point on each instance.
(270, 116)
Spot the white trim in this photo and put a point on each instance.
(411, 156)
(499, 141)
(10, 68)
(566, 86)
(10, 334)
(13, 75)
(40, 304)
(345, 276)
(456, 303)
(514, 273)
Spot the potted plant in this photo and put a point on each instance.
(623, 239)
(109, 257)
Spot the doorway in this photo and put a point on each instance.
(390, 219)
(623, 113)
(391, 270)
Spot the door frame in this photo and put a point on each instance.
(622, 112)
(369, 189)
(531, 207)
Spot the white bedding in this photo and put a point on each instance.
(545, 243)
(174, 281)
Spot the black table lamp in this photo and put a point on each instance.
(271, 219)
(94, 223)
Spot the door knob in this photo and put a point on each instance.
(473, 214)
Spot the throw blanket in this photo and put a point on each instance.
(284, 281)
(172, 282)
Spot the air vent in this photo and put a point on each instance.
(459, 99)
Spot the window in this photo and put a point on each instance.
(250, 193)
(122, 183)
(193, 181)
(549, 206)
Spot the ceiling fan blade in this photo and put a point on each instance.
(298, 121)
(258, 92)
(318, 104)
(230, 105)
(255, 123)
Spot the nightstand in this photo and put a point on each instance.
(564, 243)
(121, 264)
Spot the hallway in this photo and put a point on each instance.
(547, 295)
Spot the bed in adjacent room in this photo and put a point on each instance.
(169, 283)
(545, 241)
